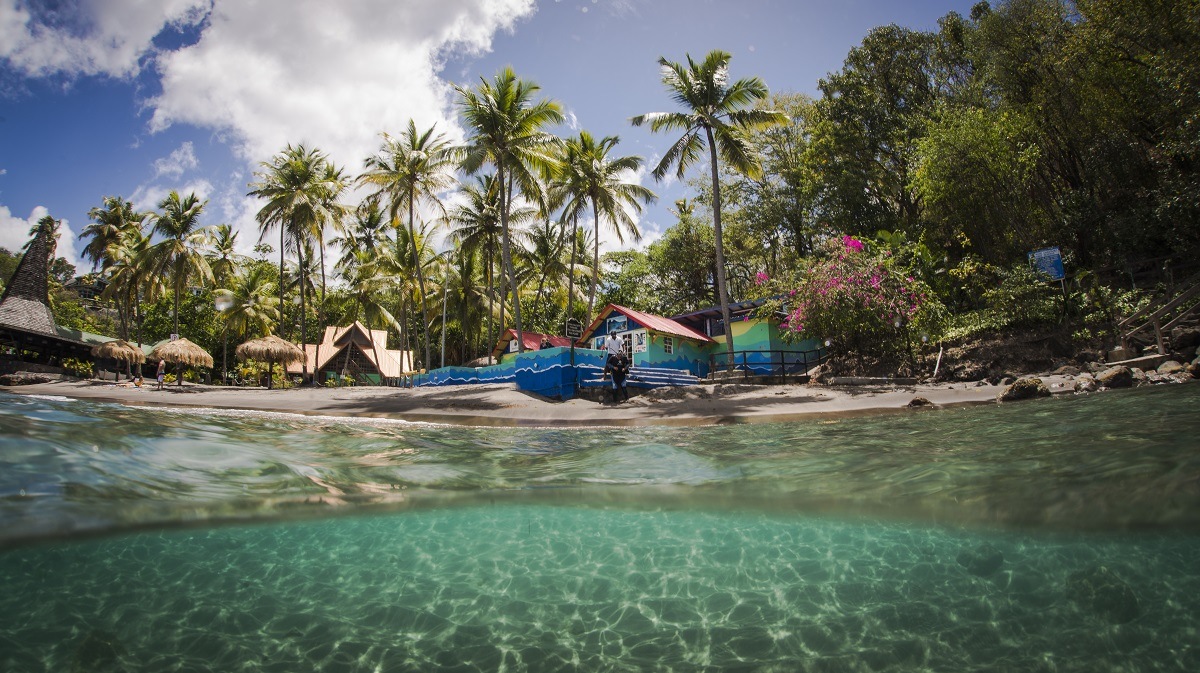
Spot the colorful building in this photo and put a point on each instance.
(651, 340)
(759, 344)
(355, 353)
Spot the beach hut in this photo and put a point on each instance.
(270, 349)
(182, 352)
(356, 353)
(121, 351)
(651, 340)
(507, 345)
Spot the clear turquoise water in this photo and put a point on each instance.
(1057, 535)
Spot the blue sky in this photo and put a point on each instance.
(109, 97)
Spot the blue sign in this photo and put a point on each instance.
(1048, 261)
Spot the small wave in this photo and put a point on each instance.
(52, 398)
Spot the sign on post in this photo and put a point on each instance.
(1048, 262)
(574, 329)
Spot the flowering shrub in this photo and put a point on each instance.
(856, 300)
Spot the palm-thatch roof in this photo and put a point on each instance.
(270, 349)
(182, 351)
(119, 349)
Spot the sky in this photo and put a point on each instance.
(135, 98)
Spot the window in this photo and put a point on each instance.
(669, 345)
(598, 343)
(627, 340)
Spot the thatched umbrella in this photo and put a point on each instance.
(270, 349)
(184, 352)
(121, 351)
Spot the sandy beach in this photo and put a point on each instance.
(506, 406)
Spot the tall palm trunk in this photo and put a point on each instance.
(722, 288)
(506, 198)
(412, 235)
(280, 326)
(491, 297)
(595, 260)
(320, 315)
(571, 279)
(303, 323)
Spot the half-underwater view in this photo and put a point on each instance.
(1060, 537)
(541, 336)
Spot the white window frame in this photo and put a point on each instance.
(669, 345)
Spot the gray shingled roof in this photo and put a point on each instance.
(25, 304)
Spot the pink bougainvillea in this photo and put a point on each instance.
(855, 299)
(761, 278)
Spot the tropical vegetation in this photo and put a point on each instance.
(902, 199)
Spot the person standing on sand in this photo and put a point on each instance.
(620, 370)
(162, 372)
(614, 345)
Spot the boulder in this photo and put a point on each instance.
(1194, 367)
(1067, 370)
(1024, 389)
(1116, 377)
(23, 379)
(919, 402)
(1139, 376)
(1184, 340)
(1170, 367)
(982, 560)
(1086, 383)
(1100, 590)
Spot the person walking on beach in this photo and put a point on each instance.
(162, 372)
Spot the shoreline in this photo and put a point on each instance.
(504, 406)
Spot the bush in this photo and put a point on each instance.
(79, 368)
(861, 302)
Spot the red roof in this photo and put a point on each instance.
(647, 320)
(533, 340)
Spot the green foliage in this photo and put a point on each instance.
(79, 368)
(861, 302)
(628, 280)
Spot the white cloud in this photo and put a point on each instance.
(173, 166)
(330, 75)
(14, 233)
(102, 37)
(147, 197)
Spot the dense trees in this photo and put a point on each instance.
(947, 154)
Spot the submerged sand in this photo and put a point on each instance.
(501, 404)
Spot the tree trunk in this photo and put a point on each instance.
(280, 326)
(595, 261)
(508, 263)
(722, 288)
(412, 235)
(303, 324)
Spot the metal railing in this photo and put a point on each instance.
(771, 363)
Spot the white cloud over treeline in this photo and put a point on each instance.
(264, 74)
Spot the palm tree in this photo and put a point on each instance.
(131, 277)
(476, 227)
(300, 187)
(414, 167)
(294, 185)
(590, 176)
(717, 114)
(252, 311)
(109, 223)
(223, 259)
(506, 127)
(180, 254)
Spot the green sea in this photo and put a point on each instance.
(1054, 535)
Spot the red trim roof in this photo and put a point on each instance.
(647, 320)
(532, 340)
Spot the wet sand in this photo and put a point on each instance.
(503, 404)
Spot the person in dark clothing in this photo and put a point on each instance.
(619, 367)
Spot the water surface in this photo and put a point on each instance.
(1058, 535)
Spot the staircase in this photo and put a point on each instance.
(1158, 319)
(639, 377)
